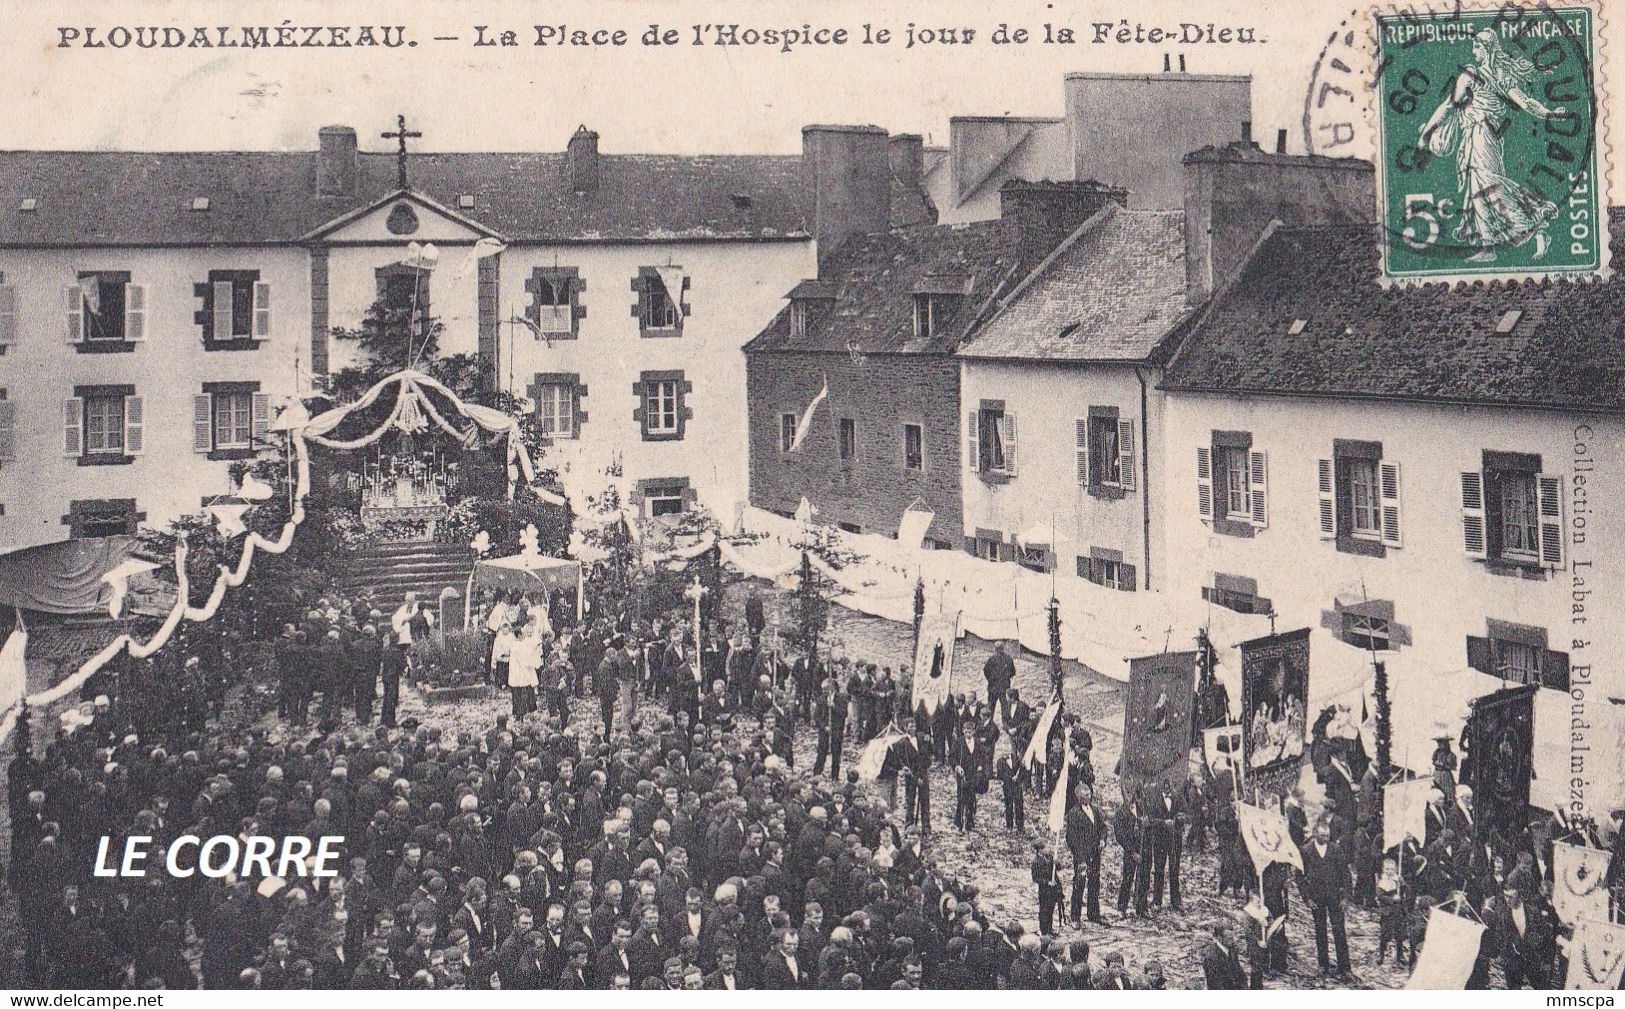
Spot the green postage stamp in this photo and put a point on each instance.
(1490, 144)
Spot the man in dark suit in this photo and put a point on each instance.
(1165, 825)
(615, 958)
(971, 775)
(1126, 825)
(1221, 960)
(574, 975)
(999, 670)
(725, 977)
(781, 970)
(1085, 834)
(1325, 886)
(830, 718)
(1521, 936)
(1047, 877)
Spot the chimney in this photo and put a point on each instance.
(1246, 131)
(1280, 141)
(1233, 192)
(846, 171)
(1037, 216)
(906, 151)
(581, 161)
(336, 162)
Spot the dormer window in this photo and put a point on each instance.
(1296, 327)
(932, 313)
(29, 204)
(1507, 321)
(200, 203)
(741, 201)
(798, 319)
(465, 201)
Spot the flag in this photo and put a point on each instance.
(482, 249)
(1222, 742)
(1157, 719)
(671, 278)
(1268, 839)
(804, 423)
(1449, 948)
(1404, 810)
(1578, 889)
(873, 758)
(1038, 746)
(934, 660)
(1596, 956)
(1057, 795)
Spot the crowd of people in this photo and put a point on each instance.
(669, 837)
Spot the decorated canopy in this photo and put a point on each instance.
(526, 572)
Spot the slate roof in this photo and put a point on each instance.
(875, 276)
(134, 198)
(1111, 292)
(1430, 343)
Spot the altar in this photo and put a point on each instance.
(404, 494)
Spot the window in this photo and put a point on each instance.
(1518, 654)
(555, 408)
(932, 314)
(1231, 484)
(1359, 498)
(849, 527)
(787, 431)
(1362, 476)
(8, 428)
(404, 293)
(1366, 624)
(1105, 447)
(664, 497)
(233, 419)
(1235, 592)
(913, 447)
(798, 319)
(662, 412)
(117, 517)
(1368, 632)
(8, 314)
(235, 305)
(991, 439)
(1520, 528)
(105, 311)
(1512, 514)
(554, 304)
(987, 548)
(104, 425)
(659, 308)
(847, 429)
(1107, 569)
(660, 407)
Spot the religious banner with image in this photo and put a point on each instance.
(934, 660)
(1449, 950)
(1579, 889)
(1157, 720)
(1267, 836)
(1499, 764)
(1596, 956)
(1274, 697)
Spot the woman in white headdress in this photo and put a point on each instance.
(1470, 125)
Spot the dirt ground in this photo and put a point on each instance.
(995, 859)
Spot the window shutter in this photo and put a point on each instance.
(262, 310)
(8, 315)
(1081, 440)
(1204, 482)
(132, 425)
(1007, 434)
(8, 430)
(1126, 574)
(1257, 488)
(973, 443)
(1549, 495)
(1125, 451)
(221, 328)
(1472, 515)
(1388, 485)
(73, 418)
(1554, 670)
(260, 412)
(73, 303)
(1325, 486)
(1481, 655)
(135, 312)
(202, 423)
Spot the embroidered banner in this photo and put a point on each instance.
(1267, 837)
(1579, 890)
(934, 660)
(1500, 748)
(1274, 693)
(1596, 956)
(1157, 720)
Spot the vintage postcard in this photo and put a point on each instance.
(790, 496)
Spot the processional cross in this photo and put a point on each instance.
(401, 134)
(696, 592)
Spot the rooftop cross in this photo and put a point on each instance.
(401, 134)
